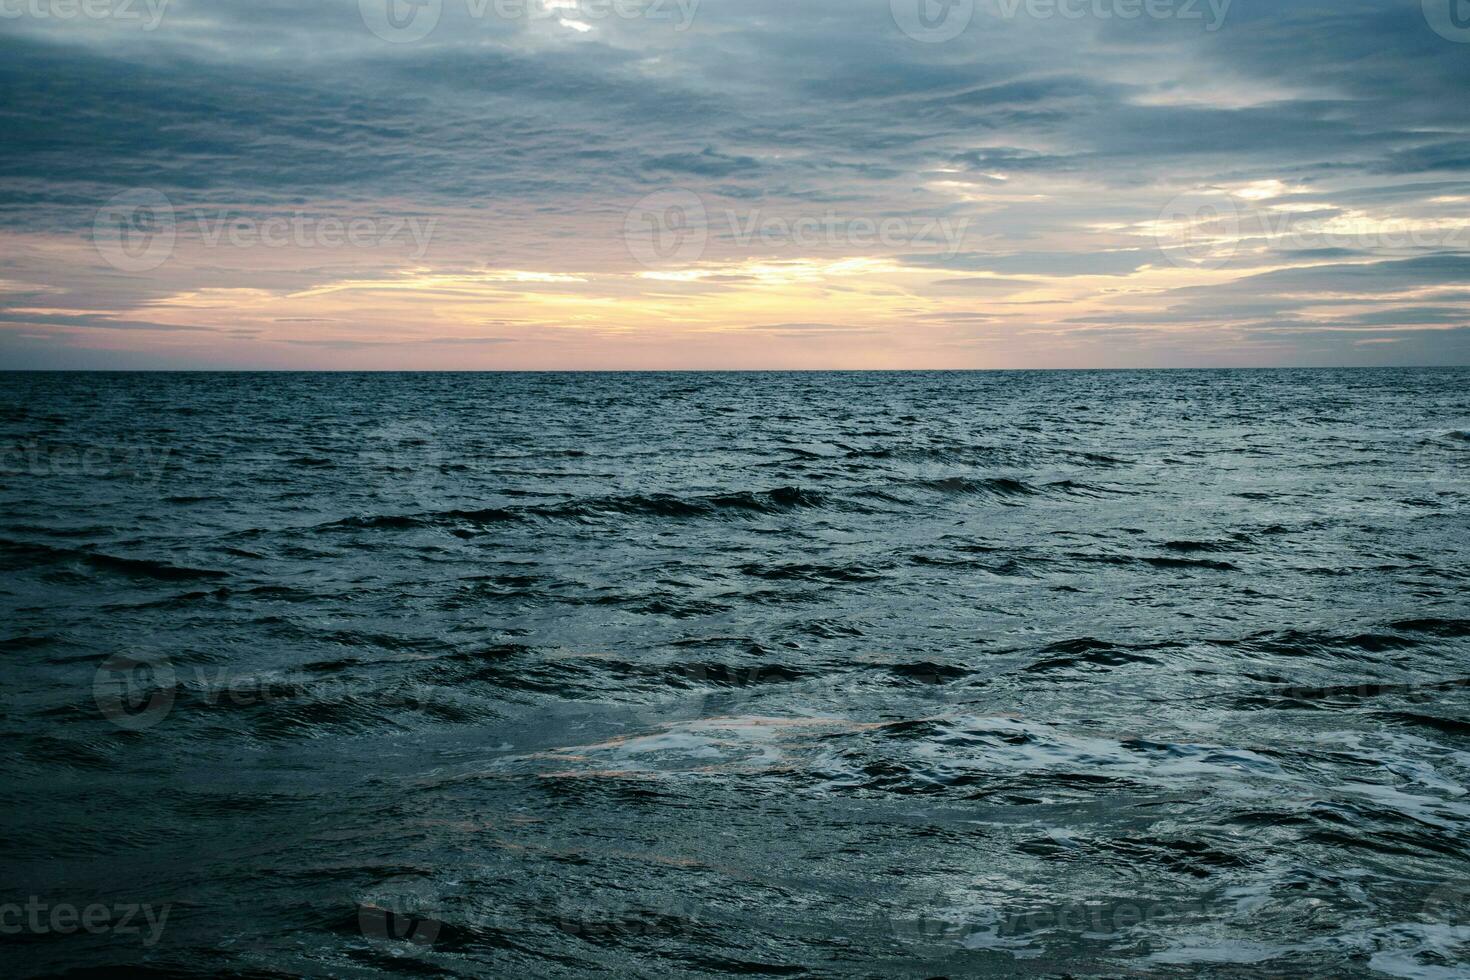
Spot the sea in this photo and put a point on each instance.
(952, 674)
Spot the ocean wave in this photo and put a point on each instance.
(781, 500)
(744, 503)
(991, 487)
(802, 571)
(1106, 628)
(1088, 653)
(21, 554)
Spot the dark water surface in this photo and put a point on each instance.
(805, 675)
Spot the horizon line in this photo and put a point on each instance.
(1031, 370)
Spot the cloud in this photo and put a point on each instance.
(705, 164)
(88, 320)
(1059, 141)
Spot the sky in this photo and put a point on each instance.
(733, 184)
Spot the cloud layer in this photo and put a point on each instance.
(733, 183)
